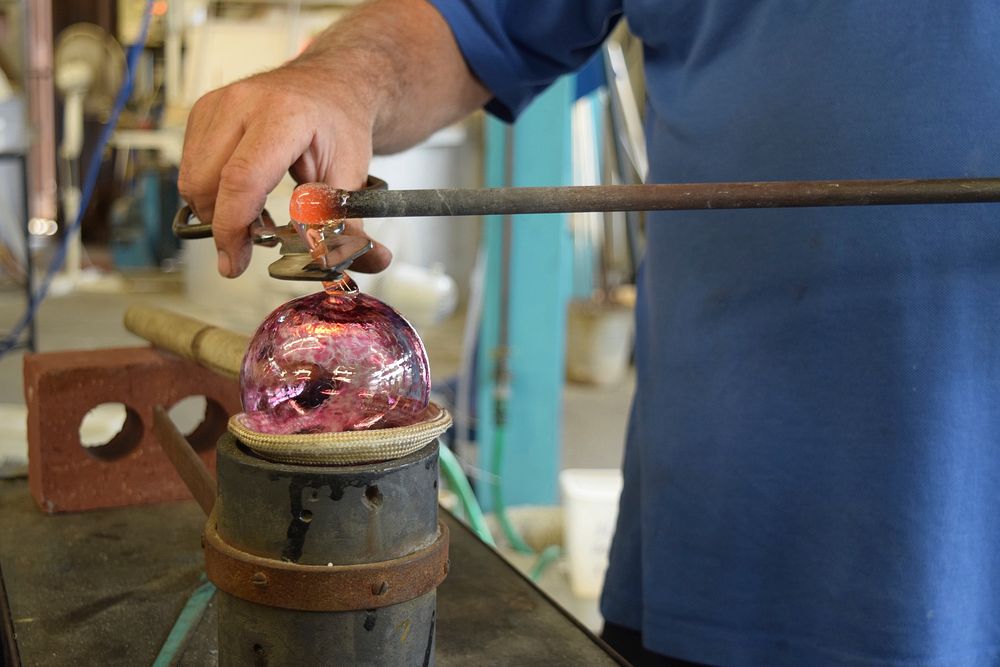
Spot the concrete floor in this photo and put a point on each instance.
(593, 417)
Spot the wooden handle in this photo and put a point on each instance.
(217, 349)
(189, 466)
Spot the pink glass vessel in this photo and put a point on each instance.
(337, 360)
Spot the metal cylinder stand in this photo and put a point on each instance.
(325, 565)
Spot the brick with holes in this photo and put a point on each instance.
(130, 469)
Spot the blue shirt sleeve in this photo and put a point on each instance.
(518, 47)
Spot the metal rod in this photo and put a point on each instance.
(676, 197)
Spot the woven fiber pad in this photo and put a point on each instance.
(347, 447)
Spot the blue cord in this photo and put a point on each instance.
(90, 181)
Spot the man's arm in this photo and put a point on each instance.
(383, 78)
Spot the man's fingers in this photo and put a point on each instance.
(198, 119)
(255, 167)
(375, 260)
(245, 137)
(203, 183)
(209, 140)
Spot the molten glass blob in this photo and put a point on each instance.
(337, 360)
(317, 213)
(316, 204)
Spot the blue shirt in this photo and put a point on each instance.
(812, 471)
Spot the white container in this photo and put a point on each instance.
(425, 297)
(590, 504)
(598, 341)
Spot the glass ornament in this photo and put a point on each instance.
(336, 360)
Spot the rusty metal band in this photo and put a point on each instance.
(276, 583)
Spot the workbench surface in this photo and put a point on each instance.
(105, 588)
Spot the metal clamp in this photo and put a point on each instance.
(287, 585)
(296, 262)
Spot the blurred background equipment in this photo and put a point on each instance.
(88, 72)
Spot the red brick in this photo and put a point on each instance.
(61, 387)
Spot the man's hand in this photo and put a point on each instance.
(241, 140)
(382, 78)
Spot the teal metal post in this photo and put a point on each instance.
(540, 281)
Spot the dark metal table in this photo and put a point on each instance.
(105, 588)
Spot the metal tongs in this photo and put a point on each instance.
(296, 261)
(375, 201)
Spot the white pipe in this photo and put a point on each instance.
(72, 140)
(73, 79)
(172, 52)
(631, 120)
(467, 362)
(74, 247)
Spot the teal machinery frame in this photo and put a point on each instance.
(539, 271)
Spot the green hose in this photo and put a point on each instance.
(548, 556)
(186, 623)
(455, 476)
(513, 537)
(552, 552)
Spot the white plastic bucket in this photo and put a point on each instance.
(598, 341)
(425, 297)
(590, 504)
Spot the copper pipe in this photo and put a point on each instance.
(41, 111)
